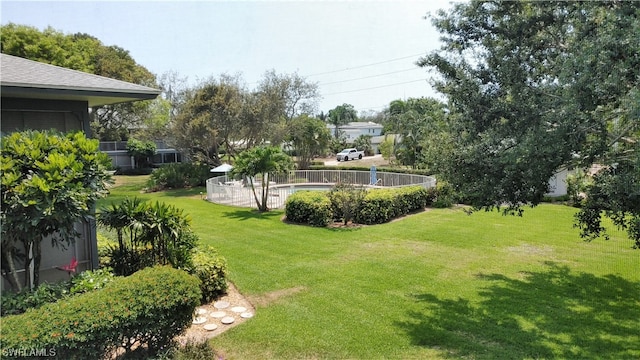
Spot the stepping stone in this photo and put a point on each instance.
(246, 315)
(221, 304)
(200, 320)
(201, 311)
(227, 320)
(210, 327)
(218, 314)
(238, 309)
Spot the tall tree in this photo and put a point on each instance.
(310, 137)
(210, 120)
(534, 86)
(341, 115)
(283, 97)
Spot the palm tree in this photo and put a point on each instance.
(262, 161)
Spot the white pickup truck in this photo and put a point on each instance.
(350, 154)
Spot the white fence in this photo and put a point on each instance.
(225, 190)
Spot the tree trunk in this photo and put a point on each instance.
(37, 256)
(9, 268)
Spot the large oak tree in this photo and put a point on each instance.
(536, 86)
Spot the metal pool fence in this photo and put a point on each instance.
(228, 191)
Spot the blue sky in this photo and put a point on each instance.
(359, 52)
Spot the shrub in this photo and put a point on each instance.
(445, 195)
(148, 234)
(211, 269)
(90, 280)
(382, 205)
(17, 303)
(309, 207)
(178, 176)
(345, 201)
(377, 207)
(145, 310)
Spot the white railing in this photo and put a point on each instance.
(228, 191)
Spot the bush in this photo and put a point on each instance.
(134, 172)
(145, 310)
(445, 195)
(90, 280)
(382, 205)
(17, 303)
(178, 176)
(309, 207)
(148, 234)
(211, 269)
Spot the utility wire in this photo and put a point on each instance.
(361, 66)
(368, 77)
(374, 87)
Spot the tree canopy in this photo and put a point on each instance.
(537, 86)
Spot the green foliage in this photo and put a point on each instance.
(211, 269)
(194, 351)
(17, 303)
(147, 234)
(91, 280)
(387, 148)
(444, 195)
(341, 115)
(147, 309)
(577, 185)
(310, 138)
(533, 87)
(363, 143)
(603, 196)
(50, 181)
(142, 151)
(382, 205)
(345, 199)
(178, 176)
(262, 161)
(309, 207)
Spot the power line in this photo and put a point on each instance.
(375, 87)
(361, 66)
(368, 77)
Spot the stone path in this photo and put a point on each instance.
(217, 317)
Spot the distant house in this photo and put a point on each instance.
(353, 130)
(39, 96)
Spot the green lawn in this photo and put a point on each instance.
(439, 284)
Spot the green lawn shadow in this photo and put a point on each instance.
(555, 313)
(244, 214)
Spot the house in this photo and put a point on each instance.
(353, 130)
(39, 96)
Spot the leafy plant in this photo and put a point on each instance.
(147, 234)
(346, 199)
(211, 269)
(142, 151)
(91, 280)
(50, 181)
(309, 207)
(178, 176)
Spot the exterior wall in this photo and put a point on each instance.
(558, 182)
(35, 114)
(22, 114)
(353, 130)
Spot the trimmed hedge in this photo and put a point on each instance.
(145, 310)
(368, 168)
(309, 207)
(178, 176)
(379, 205)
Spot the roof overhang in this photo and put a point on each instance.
(92, 97)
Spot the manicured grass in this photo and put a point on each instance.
(439, 284)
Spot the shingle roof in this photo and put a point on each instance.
(31, 79)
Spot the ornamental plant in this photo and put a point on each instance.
(49, 182)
